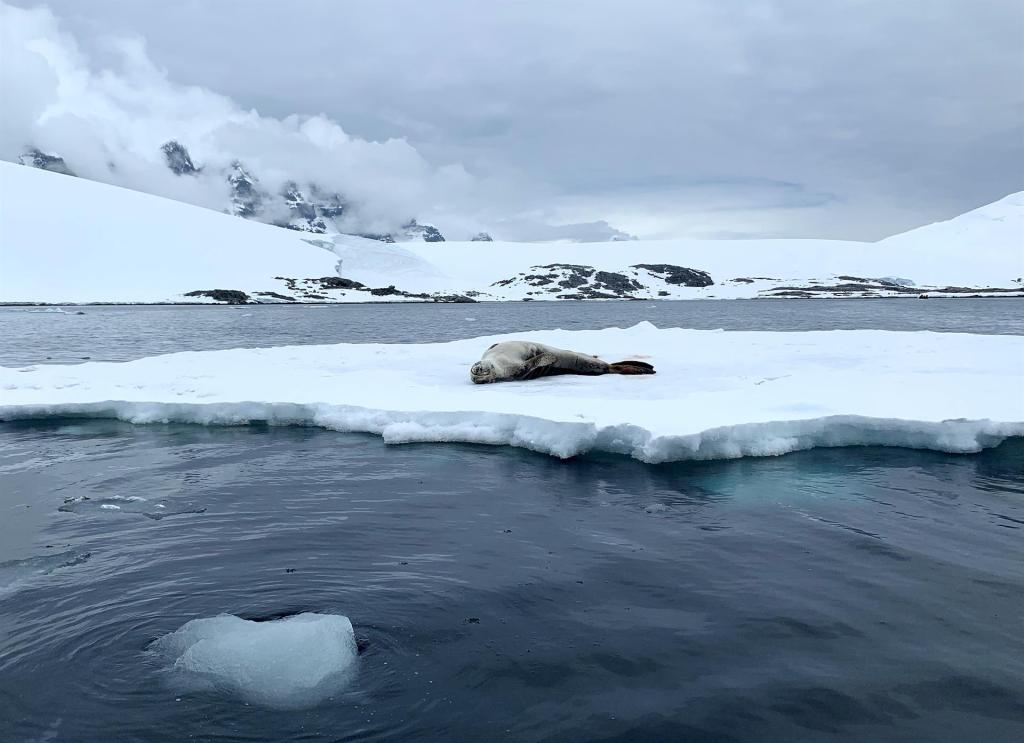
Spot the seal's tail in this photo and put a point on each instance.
(631, 367)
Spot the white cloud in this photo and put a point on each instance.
(109, 126)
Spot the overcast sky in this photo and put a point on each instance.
(848, 118)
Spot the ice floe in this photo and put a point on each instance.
(717, 394)
(296, 661)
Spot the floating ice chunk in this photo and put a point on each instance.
(297, 661)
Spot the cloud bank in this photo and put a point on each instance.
(109, 125)
(707, 118)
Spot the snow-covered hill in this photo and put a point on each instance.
(65, 239)
(977, 251)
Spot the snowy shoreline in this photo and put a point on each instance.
(717, 394)
(900, 297)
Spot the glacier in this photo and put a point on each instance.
(717, 394)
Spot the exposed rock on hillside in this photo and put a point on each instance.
(677, 274)
(334, 288)
(227, 296)
(585, 281)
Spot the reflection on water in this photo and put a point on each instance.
(842, 594)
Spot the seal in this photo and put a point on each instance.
(522, 360)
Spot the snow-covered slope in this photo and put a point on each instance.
(981, 234)
(716, 394)
(981, 249)
(65, 239)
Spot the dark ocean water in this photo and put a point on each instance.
(38, 335)
(833, 595)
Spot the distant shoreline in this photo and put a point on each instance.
(1009, 294)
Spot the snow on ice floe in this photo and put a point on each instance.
(296, 661)
(717, 394)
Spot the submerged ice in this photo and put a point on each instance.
(296, 661)
(716, 395)
(13, 573)
(132, 505)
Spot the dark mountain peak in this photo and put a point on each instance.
(329, 204)
(311, 213)
(304, 215)
(246, 198)
(297, 202)
(45, 161)
(178, 159)
(238, 173)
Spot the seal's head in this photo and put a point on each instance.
(483, 372)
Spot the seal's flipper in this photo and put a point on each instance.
(537, 366)
(631, 367)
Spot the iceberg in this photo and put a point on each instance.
(717, 394)
(292, 662)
